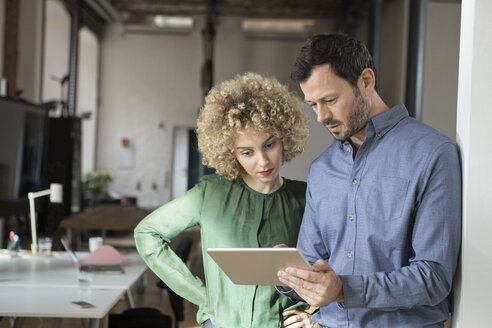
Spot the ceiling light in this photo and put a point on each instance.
(280, 26)
(179, 22)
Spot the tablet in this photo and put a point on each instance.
(257, 266)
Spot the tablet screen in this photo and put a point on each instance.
(257, 266)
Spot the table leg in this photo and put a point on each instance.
(129, 299)
(78, 240)
(104, 322)
(58, 323)
(94, 323)
(69, 236)
(16, 322)
(142, 283)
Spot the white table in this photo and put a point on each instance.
(55, 302)
(59, 270)
(37, 286)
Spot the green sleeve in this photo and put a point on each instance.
(152, 237)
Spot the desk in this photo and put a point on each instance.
(60, 271)
(105, 217)
(44, 287)
(55, 302)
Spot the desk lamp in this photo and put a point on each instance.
(56, 196)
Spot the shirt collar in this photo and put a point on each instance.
(388, 119)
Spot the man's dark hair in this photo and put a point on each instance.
(347, 57)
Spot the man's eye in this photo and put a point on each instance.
(245, 153)
(270, 145)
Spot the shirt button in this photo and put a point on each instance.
(354, 181)
(351, 217)
(349, 255)
(379, 134)
(349, 150)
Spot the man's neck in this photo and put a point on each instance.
(358, 138)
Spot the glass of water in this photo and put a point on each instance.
(85, 280)
(44, 245)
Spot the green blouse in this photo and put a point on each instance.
(230, 214)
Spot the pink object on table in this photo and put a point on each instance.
(106, 254)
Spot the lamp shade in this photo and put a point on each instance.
(56, 193)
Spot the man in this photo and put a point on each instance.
(382, 224)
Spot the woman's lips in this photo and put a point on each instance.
(266, 173)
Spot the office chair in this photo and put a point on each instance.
(183, 251)
(140, 318)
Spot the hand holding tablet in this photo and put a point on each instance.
(257, 266)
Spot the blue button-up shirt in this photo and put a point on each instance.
(388, 222)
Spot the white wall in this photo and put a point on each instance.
(474, 283)
(441, 56)
(56, 49)
(148, 79)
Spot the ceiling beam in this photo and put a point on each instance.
(134, 10)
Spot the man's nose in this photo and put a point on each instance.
(323, 114)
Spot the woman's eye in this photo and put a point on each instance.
(270, 145)
(245, 153)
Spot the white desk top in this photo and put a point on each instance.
(38, 286)
(40, 301)
(59, 271)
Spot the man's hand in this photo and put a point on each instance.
(319, 287)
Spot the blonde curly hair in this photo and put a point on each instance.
(249, 101)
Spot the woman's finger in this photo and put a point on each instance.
(291, 312)
(280, 246)
(297, 319)
(292, 322)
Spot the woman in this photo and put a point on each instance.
(248, 127)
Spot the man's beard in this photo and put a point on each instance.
(357, 119)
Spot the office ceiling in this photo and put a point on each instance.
(136, 11)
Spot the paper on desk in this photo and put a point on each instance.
(106, 254)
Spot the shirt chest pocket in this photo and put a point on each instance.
(384, 197)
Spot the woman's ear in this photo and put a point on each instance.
(367, 81)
